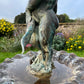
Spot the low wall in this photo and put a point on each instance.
(63, 27)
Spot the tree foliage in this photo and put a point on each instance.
(63, 18)
(21, 19)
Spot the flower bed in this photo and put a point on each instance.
(75, 43)
(6, 28)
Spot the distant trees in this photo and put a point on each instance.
(21, 19)
(63, 18)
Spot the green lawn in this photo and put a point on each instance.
(4, 55)
(78, 53)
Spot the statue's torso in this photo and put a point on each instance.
(44, 6)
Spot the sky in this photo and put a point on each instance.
(10, 8)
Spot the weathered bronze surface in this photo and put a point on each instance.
(41, 15)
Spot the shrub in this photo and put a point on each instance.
(75, 43)
(59, 41)
(13, 44)
(10, 45)
(6, 28)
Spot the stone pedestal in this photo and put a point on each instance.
(68, 69)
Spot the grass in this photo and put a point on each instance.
(78, 53)
(4, 55)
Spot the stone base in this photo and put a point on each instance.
(69, 70)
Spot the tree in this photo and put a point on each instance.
(21, 19)
(63, 18)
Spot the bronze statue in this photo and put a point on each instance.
(41, 23)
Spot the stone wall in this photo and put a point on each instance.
(20, 29)
(66, 28)
(69, 30)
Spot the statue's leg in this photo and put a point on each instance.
(26, 38)
(46, 31)
(44, 36)
(45, 45)
(47, 27)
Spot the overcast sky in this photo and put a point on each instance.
(10, 8)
